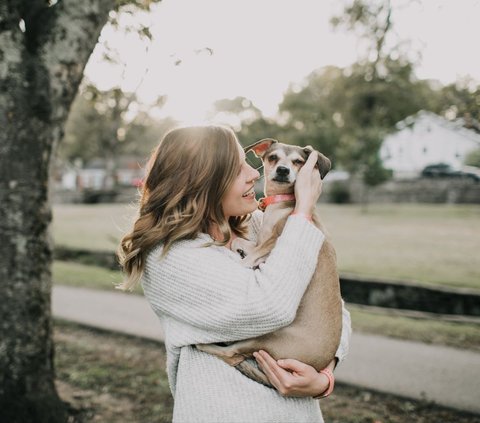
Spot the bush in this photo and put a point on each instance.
(339, 193)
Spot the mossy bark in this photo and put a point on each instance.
(43, 51)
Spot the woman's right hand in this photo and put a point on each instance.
(308, 186)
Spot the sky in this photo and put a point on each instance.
(260, 47)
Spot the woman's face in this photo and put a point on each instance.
(240, 198)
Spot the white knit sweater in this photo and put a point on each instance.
(204, 295)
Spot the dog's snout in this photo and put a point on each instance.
(283, 171)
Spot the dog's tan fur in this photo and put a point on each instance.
(314, 335)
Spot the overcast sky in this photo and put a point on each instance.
(261, 46)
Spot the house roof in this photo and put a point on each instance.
(457, 125)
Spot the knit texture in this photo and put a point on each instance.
(204, 295)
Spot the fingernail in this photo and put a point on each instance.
(280, 362)
(255, 355)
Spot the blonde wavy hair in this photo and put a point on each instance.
(188, 176)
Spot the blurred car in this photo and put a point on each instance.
(444, 170)
(471, 172)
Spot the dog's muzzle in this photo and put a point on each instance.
(282, 174)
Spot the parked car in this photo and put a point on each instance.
(444, 170)
(471, 172)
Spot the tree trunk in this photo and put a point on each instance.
(41, 65)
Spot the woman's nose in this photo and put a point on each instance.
(255, 174)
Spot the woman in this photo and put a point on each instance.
(196, 199)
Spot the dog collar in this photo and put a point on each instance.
(263, 203)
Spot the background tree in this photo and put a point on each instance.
(381, 87)
(44, 46)
(460, 100)
(248, 122)
(315, 112)
(473, 158)
(108, 124)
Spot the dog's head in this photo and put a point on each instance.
(281, 163)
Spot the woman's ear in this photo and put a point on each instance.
(260, 147)
(324, 164)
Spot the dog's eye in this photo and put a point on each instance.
(272, 158)
(298, 162)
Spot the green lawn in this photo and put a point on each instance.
(430, 244)
(95, 277)
(433, 244)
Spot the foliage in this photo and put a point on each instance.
(339, 193)
(460, 100)
(347, 113)
(107, 124)
(375, 174)
(238, 105)
(473, 158)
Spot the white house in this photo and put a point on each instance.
(426, 138)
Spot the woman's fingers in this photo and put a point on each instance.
(292, 365)
(268, 371)
(311, 161)
(292, 377)
(283, 379)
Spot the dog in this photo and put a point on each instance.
(314, 335)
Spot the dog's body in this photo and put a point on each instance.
(313, 337)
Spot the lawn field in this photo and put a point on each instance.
(429, 244)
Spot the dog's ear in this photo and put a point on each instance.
(324, 164)
(260, 147)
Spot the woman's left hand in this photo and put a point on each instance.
(292, 377)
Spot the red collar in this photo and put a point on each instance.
(263, 203)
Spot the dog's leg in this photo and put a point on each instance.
(225, 353)
(236, 360)
(253, 373)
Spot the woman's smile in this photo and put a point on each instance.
(250, 194)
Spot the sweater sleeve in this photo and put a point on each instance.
(255, 225)
(206, 288)
(344, 346)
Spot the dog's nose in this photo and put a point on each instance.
(283, 171)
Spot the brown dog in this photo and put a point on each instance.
(313, 337)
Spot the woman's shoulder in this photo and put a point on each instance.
(185, 248)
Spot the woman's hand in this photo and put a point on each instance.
(292, 377)
(308, 185)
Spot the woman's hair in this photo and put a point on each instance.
(187, 178)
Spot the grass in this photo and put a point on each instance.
(113, 378)
(430, 331)
(87, 276)
(93, 227)
(429, 244)
(76, 274)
